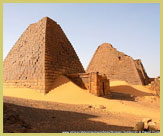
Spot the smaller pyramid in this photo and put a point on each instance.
(41, 54)
(117, 65)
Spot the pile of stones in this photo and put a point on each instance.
(146, 124)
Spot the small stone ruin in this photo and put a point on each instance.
(97, 84)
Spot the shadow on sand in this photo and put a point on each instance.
(127, 93)
(34, 120)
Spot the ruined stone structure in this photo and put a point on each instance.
(117, 65)
(41, 54)
(155, 85)
(97, 84)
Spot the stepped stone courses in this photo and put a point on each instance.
(117, 65)
(25, 58)
(60, 56)
(41, 54)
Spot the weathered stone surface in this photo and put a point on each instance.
(41, 54)
(117, 65)
(61, 57)
(24, 65)
(139, 126)
(152, 126)
(146, 121)
(146, 124)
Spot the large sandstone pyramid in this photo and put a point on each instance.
(41, 54)
(117, 65)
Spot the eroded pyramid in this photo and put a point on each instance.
(41, 54)
(117, 65)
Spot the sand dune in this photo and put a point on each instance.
(67, 92)
(137, 87)
(134, 90)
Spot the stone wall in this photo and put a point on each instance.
(117, 65)
(97, 84)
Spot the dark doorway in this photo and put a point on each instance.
(103, 88)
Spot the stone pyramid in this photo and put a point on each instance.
(40, 55)
(117, 65)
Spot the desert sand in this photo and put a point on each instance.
(126, 105)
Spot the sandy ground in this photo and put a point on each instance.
(127, 105)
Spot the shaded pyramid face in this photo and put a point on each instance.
(117, 65)
(41, 54)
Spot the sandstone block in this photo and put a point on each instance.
(139, 126)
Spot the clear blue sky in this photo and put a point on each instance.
(131, 28)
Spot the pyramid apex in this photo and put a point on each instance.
(46, 18)
(106, 45)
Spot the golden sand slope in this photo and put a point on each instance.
(67, 92)
(124, 84)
